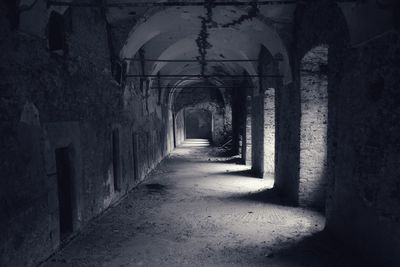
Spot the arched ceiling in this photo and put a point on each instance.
(203, 91)
(187, 48)
(195, 89)
(171, 33)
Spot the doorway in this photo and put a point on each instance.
(314, 128)
(198, 124)
(65, 189)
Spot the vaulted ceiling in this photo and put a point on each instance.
(196, 40)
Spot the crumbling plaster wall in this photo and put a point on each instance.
(50, 101)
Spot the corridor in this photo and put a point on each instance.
(199, 133)
(198, 209)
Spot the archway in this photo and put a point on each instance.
(198, 123)
(314, 127)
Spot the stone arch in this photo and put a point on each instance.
(316, 23)
(210, 99)
(332, 31)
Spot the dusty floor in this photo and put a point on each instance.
(199, 210)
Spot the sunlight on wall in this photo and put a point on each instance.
(269, 131)
(314, 125)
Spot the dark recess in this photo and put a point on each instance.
(64, 180)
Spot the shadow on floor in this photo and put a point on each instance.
(320, 249)
(158, 188)
(245, 173)
(233, 160)
(270, 196)
(218, 152)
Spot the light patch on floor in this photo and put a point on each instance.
(200, 210)
(195, 143)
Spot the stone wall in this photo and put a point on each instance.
(269, 131)
(287, 141)
(313, 128)
(366, 197)
(52, 100)
(247, 129)
(362, 204)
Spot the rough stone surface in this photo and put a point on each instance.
(362, 206)
(313, 128)
(49, 101)
(366, 169)
(269, 131)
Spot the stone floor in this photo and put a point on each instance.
(197, 209)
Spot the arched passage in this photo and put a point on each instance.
(100, 135)
(172, 36)
(205, 112)
(198, 123)
(314, 127)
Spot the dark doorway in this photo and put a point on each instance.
(198, 124)
(116, 159)
(56, 32)
(65, 186)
